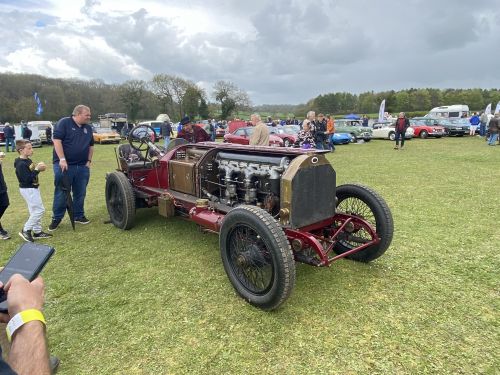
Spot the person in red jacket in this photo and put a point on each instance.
(402, 123)
(192, 134)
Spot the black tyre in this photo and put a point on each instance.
(287, 142)
(257, 257)
(424, 134)
(354, 139)
(392, 136)
(120, 200)
(361, 201)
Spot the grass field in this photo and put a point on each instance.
(156, 300)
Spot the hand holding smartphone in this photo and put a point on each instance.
(28, 261)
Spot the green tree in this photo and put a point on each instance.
(131, 94)
(402, 101)
(230, 97)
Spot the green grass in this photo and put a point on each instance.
(156, 300)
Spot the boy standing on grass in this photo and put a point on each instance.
(27, 175)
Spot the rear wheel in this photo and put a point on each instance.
(120, 200)
(424, 134)
(363, 202)
(354, 139)
(392, 136)
(257, 257)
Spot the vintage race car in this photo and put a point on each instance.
(271, 206)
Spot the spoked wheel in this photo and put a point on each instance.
(257, 257)
(139, 137)
(287, 142)
(363, 202)
(120, 200)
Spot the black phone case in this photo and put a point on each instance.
(28, 261)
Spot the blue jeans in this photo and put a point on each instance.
(492, 139)
(11, 141)
(331, 145)
(320, 145)
(166, 141)
(400, 135)
(482, 129)
(78, 176)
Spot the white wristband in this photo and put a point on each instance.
(62, 159)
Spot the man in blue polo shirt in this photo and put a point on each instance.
(73, 150)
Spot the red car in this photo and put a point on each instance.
(2, 135)
(242, 136)
(288, 134)
(423, 130)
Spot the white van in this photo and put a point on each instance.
(454, 111)
(35, 134)
(42, 127)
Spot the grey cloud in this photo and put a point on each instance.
(281, 51)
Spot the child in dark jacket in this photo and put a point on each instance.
(27, 175)
(4, 199)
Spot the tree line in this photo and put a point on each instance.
(177, 96)
(139, 99)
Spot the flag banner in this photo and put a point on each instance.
(381, 111)
(488, 109)
(39, 108)
(497, 108)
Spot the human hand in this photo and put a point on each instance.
(41, 166)
(63, 164)
(23, 295)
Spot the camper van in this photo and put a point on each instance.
(456, 110)
(42, 128)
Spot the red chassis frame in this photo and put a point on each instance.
(319, 237)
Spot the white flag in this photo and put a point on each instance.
(381, 111)
(488, 109)
(497, 108)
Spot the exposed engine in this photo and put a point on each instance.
(248, 179)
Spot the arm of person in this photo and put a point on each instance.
(29, 353)
(58, 147)
(24, 174)
(91, 153)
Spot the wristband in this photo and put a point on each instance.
(62, 159)
(22, 318)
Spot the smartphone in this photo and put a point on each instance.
(28, 261)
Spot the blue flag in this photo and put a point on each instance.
(39, 109)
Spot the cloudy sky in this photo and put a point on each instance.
(279, 51)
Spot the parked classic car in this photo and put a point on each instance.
(450, 128)
(242, 136)
(387, 130)
(355, 128)
(341, 138)
(106, 135)
(286, 133)
(422, 130)
(271, 206)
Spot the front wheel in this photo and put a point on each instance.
(120, 200)
(287, 142)
(257, 257)
(363, 202)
